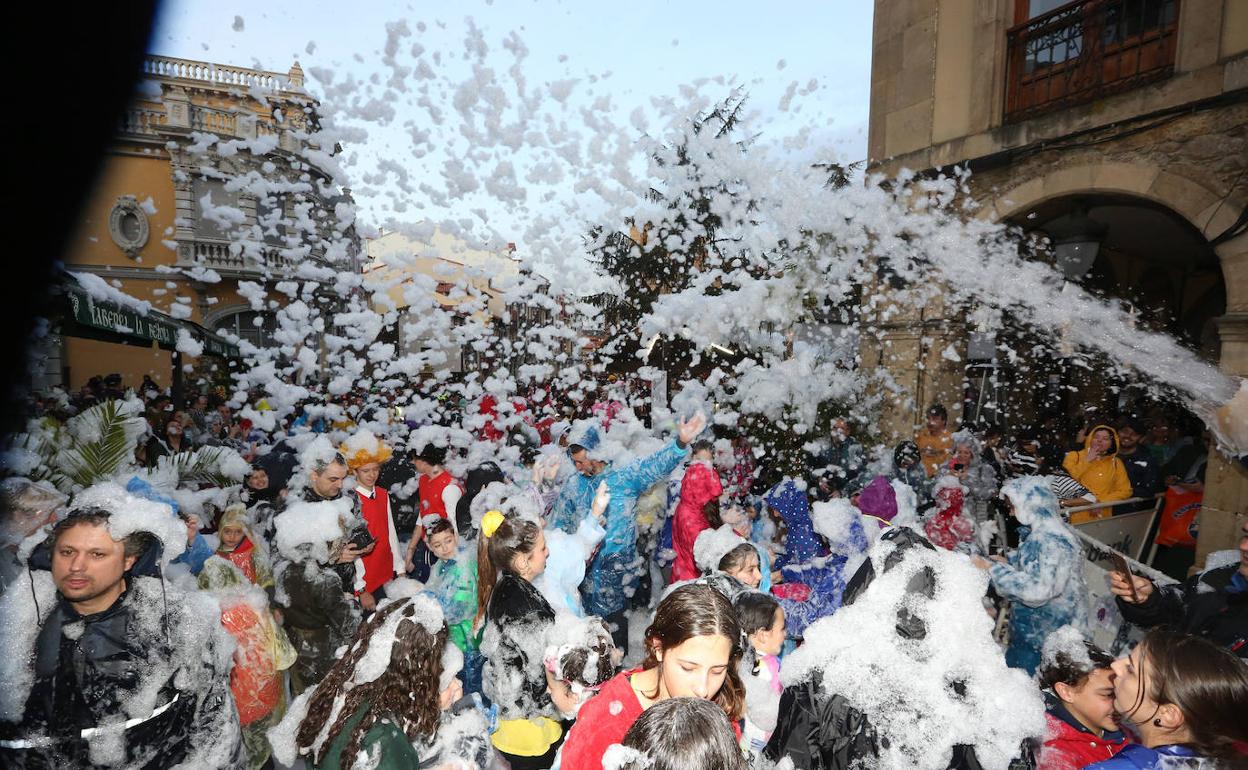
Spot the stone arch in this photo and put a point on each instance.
(1212, 212)
(219, 314)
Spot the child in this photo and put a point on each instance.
(723, 550)
(453, 582)
(565, 570)
(515, 618)
(580, 658)
(238, 546)
(699, 487)
(692, 647)
(949, 527)
(390, 709)
(1079, 698)
(762, 622)
(577, 666)
(679, 734)
(263, 653)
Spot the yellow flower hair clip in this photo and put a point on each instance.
(490, 522)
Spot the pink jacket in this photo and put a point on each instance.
(700, 485)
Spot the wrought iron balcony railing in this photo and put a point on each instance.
(1086, 50)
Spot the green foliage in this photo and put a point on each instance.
(206, 465)
(101, 444)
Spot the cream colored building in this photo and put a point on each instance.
(471, 286)
(1119, 124)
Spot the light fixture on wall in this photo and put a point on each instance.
(1076, 240)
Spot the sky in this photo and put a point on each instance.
(805, 67)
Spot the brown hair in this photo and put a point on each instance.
(1207, 683)
(699, 610)
(406, 693)
(439, 526)
(684, 734)
(495, 553)
(737, 557)
(710, 509)
(1066, 670)
(134, 543)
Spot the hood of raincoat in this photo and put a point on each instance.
(236, 516)
(1113, 437)
(878, 499)
(791, 503)
(1033, 500)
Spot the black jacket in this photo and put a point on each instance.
(85, 670)
(477, 479)
(1213, 604)
(517, 621)
(318, 615)
(822, 731)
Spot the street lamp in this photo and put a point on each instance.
(1076, 240)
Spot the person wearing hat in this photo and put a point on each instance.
(365, 454)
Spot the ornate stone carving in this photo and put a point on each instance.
(127, 224)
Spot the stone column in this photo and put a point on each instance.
(1226, 481)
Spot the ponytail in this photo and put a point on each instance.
(502, 540)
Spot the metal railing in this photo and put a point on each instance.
(1086, 50)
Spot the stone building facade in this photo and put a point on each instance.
(214, 180)
(1129, 117)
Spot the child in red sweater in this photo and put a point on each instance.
(693, 651)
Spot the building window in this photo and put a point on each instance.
(215, 222)
(1062, 54)
(271, 218)
(250, 325)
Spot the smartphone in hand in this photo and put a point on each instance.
(1120, 565)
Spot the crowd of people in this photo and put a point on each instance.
(597, 593)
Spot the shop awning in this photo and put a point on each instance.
(106, 320)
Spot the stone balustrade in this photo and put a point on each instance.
(139, 121)
(219, 74)
(214, 121)
(219, 255)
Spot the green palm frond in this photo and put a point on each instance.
(32, 455)
(215, 465)
(102, 442)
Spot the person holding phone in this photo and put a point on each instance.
(381, 557)
(1212, 604)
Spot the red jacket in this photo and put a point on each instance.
(700, 485)
(949, 527)
(601, 722)
(1067, 747)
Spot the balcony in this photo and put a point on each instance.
(219, 255)
(221, 75)
(1087, 50)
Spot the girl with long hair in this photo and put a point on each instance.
(384, 699)
(514, 620)
(1187, 699)
(693, 649)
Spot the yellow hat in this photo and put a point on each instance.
(364, 448)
